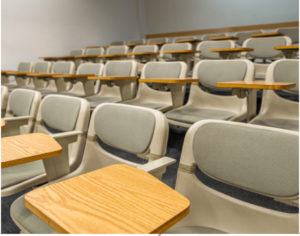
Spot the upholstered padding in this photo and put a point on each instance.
(41, 67)
(193, 230)
(211, 72)
(125, 127)
(279, 123)
(163, 70)
(96, 100)
(157, 40)
(264, 47)
(94, 51)
(75, 52)
(20, 102)
(20, 173)
(206, 46)
(245, 35)
(60, 112)
(24, 67)
(206, 37)
(62, 67)
(292, 32)
(145, 48)
(27, 220)
(89, 68)
(176, 46)
(147, 104)
(116, 50)
(118, 68)
(192, 115)
(250, 157)
(287, 71)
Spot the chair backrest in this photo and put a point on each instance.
(164, 70)
(206, 46)
(158, 40)
(63, 67)
(207, 36)
(292, 32)
(60, 113)
(121, 42)
(25, 66)
(42, 67)
(141, 131)
(94, 51)
(90, 68)
(4, 97)
(264, 47)
(120, 68)
(117, 50)
(145, 48)
(245, 35)
(77, 52)
(249, 165)
(176, 46)
(139, 41)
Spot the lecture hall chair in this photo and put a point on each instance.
(276, 110)
(240, 178)
(4, 98)
(292, 32)
(208, 36)
(109, 127)
(202, 104)
(21, 111)
(39, 67)
(243, 35)
(66, 119)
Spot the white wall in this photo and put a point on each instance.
(33, 28)
(162, 16)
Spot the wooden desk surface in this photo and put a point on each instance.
(231, 50)
(11, 72)
(181, 51)
(168, 80)
(35, 74)
(114, 55)
(224, 38)
(25, 148)
(256, 85)
(133, 44)
(57, 57)
(191, 40)
(2, 123)
(273, 34)
(113, 77)
(142, 53)
(73, 76)
(118, 199)
(295, 47)
(88, 56)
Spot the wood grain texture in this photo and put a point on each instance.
(113, 78)
(231, 50)
(34, 74)
(256, 85)
(25, 148)
(225, 29)
(191, 40)
(224, 38)
(10, 72)
(57, 57)
(118, 199)
(2, 123)
(295, 47)
(73, 76)
(142, 53)
(181, 51)
(273, 34)
(168, 80)
(88, 56)
(115, 55)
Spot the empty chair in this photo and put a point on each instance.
(160, 100)
(243, 35)
(109, 128)
(175, 47)
(263, 50)
(292, 32)
(205, 105)
(145, 48)
(110, 91)
(76, 52)
(39, 67)
(66, 119)
(4, 97)
(90, 52)
(277, 111)
(20, 115)
(158, 40)
(208, 36)
(55, 85)
(121, 42)
(232, 173)
(206, 46)
(117, 50)
(82, 87)
(143, 58)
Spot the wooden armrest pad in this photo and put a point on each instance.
(256, 85)
(44, 74)
(57, 57)
(88, 56)
(142, 53)
(295, 47)
(181, 51)
(266, 35)
(168, 80)
(224, 38)
(73, 76)
(113, 77)
(188, 40)
(14, 73)
(231, 49)
(115, 55)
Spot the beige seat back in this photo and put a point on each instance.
(76, 52)
(173, 47)
(236, 176)
(4, 98)
(206, 46)
(208, 36)
(243, 35)
(158, 40)
(292, 32)
(117, 50)
(41, 67)
(23, 67)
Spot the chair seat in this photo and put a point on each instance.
(96, 100)
(279, 123)
(147, 104)
(194, 230)
(192, 115)
(26, 220)
(19, 173)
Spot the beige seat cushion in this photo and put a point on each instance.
(279, 123)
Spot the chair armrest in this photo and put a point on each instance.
(16, 118)
(69, 137)
(154, 166)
